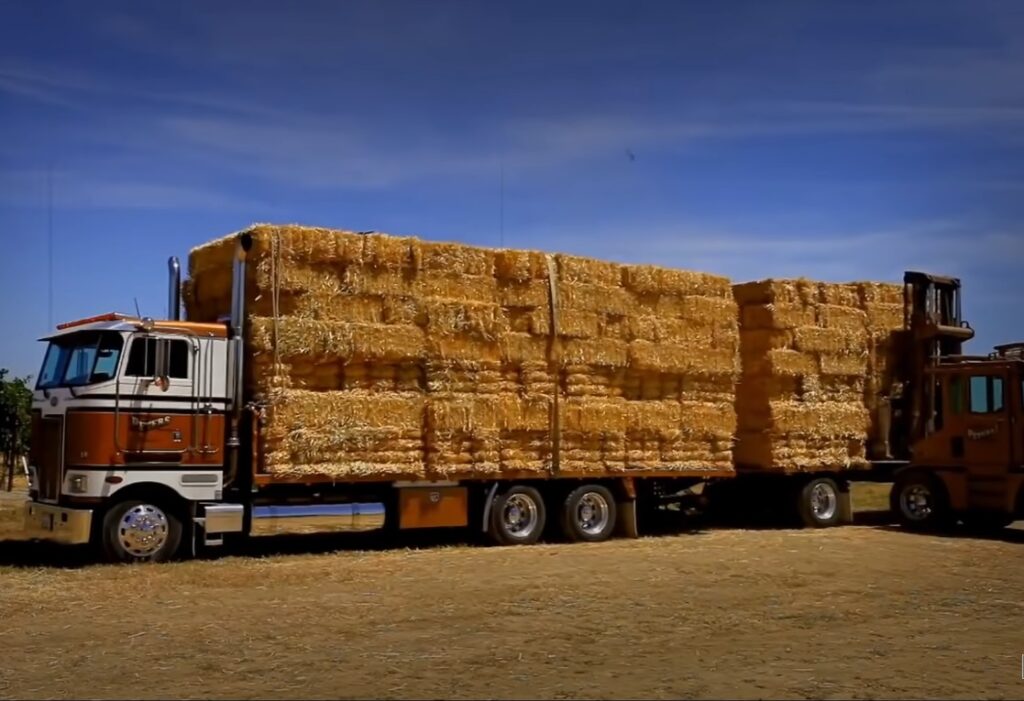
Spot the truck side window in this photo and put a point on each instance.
(142, 359)
(986, 394)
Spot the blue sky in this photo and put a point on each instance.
(835, 140)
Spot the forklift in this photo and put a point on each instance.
(959, 417)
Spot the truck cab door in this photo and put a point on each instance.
(156, 423)
(988, 429)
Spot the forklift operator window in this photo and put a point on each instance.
(956, 395)
(986, 394)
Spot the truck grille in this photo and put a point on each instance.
(45, 454)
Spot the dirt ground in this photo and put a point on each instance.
(856, 612)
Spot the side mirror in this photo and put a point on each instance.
(161, 364)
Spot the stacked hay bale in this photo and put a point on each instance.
(815, 358)
(396, 358)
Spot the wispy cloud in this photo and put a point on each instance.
(72, 189)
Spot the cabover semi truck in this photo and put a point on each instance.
(143, 446)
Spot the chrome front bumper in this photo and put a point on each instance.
(69, 526)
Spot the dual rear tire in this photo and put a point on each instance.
(519, 515)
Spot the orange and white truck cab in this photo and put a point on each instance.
(129, 407)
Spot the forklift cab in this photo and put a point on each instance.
(970, 460)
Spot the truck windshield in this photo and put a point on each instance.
(81, 359)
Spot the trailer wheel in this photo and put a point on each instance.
(518, 516)
(919, 501)
(139, 531)
(588, 514)
(819, 503)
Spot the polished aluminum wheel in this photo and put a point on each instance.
(143, 530)
(592, 513)
(824, 501)
(520, 515)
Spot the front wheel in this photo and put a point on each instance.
(919, 501)
(140, 531)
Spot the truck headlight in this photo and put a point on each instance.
(79, 484)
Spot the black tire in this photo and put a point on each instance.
(166, 532)
(517, 517)
(920, 502)
(588, 514)
(819, 503)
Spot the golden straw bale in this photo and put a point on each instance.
(843, 318)
(810, 339)
(371, 281)
(829, 420)
(689, 283)
(575, 323)
(643, 327)
(575, 269)
(776, 316)
(534, 293)
(880, 293)
(455, 259)
(469, 320)
(601, 351)
(642, 279)
(843, 365)
(801, 292)
(595, 298)
(337, 340)
(463, 348)
(519, 265)
(591, 415)
(841, 294)
(781, 361)
(884, 316)
(385, 252)
(695, 359)
(470, 288)
(518, 348)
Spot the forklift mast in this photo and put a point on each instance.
(936, 331)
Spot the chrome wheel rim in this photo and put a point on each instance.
(916, 502)
(520, 515)
(824, 501)
(143, 530)
(592, 513)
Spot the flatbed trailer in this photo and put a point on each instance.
(152, 450)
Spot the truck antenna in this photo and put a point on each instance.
(138, 313)
(49, 239)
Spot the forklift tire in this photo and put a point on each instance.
(819, 503)
(919, 501)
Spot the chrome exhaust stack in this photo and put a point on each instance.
(174, 289)
(236, 349)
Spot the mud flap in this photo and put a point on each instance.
(626, 524)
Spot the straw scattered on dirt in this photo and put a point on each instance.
(853, 612)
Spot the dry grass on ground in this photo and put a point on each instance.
(851, 612)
